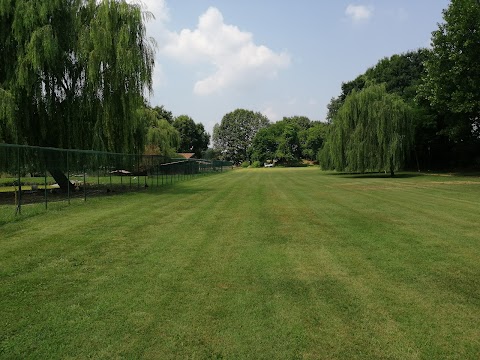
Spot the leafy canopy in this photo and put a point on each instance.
(234, 135)
(372, 131)
(452, 81)
(73, 73)
(193, 137)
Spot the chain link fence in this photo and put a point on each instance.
(41, 176)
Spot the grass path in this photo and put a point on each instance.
(261, 264)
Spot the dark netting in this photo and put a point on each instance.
(36, 175)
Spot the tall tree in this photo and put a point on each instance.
(265, 143)
(311, 140)
(288, 140)
(289, 149)
(193, 137)
(234, 135)
(452, 81)
(73, 74)
(77, 72)
(373, 130)
(164, 114)
(160, 137)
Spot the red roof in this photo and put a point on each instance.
(186, 155)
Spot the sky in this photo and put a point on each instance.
(278, 57)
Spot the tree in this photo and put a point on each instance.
(288, 149)
(193, 137)
(311, 140)
(164, 114)
(452, 81)
(333, 106)
(265, 143)
(234, 135)
(373, 130)
(161, 138)
(74, 74)
(288, 140)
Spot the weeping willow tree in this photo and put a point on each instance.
(372, 131)
(161, 138)
(73, 74)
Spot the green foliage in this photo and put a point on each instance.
(76, 72)
(161, 137)
(210, 154)
(288, 140)
(163, 113)
(256, 164)
(193, 137)
(372, 131)
(311, 140)
(288, 149)
(245, 164)
(264, 144)
(234, 135)
(401, 74)
(452, 81)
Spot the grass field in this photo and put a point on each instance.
(255, 263)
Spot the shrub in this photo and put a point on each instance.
(245, 164)
(256, 164)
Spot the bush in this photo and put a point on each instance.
(245, 164)
(256, 164)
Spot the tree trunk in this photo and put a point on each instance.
(416, 158)
(62, 180)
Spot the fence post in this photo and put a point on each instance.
(68, 176)
(138, 171)
(84, 185)
(109, 161)
(45, 184)
(18, 197)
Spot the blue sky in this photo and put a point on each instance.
(281, 58)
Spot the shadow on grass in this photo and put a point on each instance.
(376, 175)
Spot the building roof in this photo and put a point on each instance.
(187, 155)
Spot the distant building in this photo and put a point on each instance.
(186, 155)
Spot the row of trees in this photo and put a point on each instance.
(245, 135)
(75, 74)
(166, 135)
(289, 140)
(416, 110)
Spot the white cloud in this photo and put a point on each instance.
(359, 13)
(235, 57)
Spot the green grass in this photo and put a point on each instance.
(256, 263)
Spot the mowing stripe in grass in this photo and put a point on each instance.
(267, 263)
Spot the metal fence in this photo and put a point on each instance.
(38, 175)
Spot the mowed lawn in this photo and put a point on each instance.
(250, 264)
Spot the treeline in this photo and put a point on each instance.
(247, 136)
(419, 110)
(167, 135)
